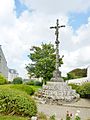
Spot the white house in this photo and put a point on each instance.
(12, 73)
(80, 81)
(3, 64)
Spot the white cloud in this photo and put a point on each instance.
(58, 6)
(7, 12)
(82, 34)
(17, 35)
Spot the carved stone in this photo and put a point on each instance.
(56, 76)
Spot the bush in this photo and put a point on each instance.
(3, 80)
(52, 117)
(86, 86)
(15, 102)
(17, 80)
(75, 87)
(83, 90)
(38, 83)
(25, 88)
(35, 83)
(31, 82)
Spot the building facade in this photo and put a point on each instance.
(3, 64)
(12, 73)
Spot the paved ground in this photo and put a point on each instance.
(60, 111)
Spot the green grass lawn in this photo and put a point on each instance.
(12, 118)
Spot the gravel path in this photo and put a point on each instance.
(60, 111)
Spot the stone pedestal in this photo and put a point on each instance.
(57, 93)
(56, 76)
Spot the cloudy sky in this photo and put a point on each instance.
(24, 23)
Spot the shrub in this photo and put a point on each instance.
(86, 86)
(83, 90)
(75, 87)
(16, 102)
(22, 87)
(3, 80)
(35, 83)
(17, 80)
(38, 83)
(52, 117)
(31, 82)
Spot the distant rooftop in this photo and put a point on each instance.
(13, 71)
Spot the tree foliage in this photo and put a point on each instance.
(43, 61)
(77, 73)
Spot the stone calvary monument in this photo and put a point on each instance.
(57, 73)
(57, 91)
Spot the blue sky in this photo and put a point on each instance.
(28, 23)
(20, 8)
(77, 19)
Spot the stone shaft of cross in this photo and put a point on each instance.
(57, 41)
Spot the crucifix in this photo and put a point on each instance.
(57, 41)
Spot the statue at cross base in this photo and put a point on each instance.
(57, 74)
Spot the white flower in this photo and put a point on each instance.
(76, 114)
(78, 111)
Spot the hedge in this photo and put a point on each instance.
(15, 102)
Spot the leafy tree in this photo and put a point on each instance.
(43, 61)
(17, 80)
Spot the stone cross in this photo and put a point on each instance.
(57, 42)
